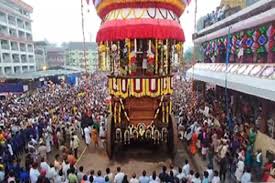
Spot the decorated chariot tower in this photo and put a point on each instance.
(140, 42)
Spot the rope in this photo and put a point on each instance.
(81, 155)
(84, 49)
(193, 62)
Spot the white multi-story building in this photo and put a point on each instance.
(16, 44)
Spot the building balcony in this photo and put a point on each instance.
(21, 35)
(20, 24)
(4, 30)
(5, 46)
(152, 86)
(13, 32)
(12, 20)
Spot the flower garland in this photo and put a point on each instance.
(145, 87)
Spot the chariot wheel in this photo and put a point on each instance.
(172, 136)
(109, 137)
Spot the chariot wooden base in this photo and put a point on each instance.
(172, 137)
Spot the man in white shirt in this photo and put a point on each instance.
(144, 178)
(109, 174)
(65, 167)
(180, 175)
(246, 177)
(34, 173)
(154, 178)
(134, 179)
(210, 173)
(216, 178)
(186, 168)
(99, 178)
(51, 173)
(44, 165)
(119, 176)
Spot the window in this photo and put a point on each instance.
(6, 57)
(5, 44)
(13, 32)
(30, 48)
(28, 26)
(31, 68)
(22, 47)
(15, 58)
(3, 17)
(17, 69)
(12, 20)
(25, 68)
(31, 59)
(21, 34)
(29, 37)
(7, 70)
(23, 58)
(4, 30)
(14, 46)
(20, 24)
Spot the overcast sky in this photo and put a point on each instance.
(60, 20)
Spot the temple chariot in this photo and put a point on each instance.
(140, 43)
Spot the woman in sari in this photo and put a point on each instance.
(248, 156)
(267, 168)
(193, 145)
(95, 136)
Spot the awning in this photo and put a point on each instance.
(141, 29)
(253, 79)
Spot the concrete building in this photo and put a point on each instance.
(55, 57)
(244, 73)
(75, 55)
(40, 50)
(16, 44)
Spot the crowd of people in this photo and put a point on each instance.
(41, 134)
(49, 119)
(215, 16)
(226, 145)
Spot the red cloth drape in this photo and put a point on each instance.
(140, 29)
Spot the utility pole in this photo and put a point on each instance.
(193, 59)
